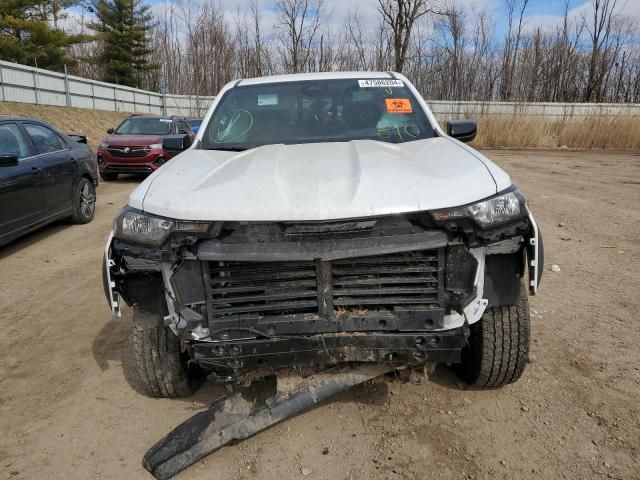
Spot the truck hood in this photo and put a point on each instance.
(319, 181)
(131, 140)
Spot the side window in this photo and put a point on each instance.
(183, 127)
(44, 140)
(12, 142)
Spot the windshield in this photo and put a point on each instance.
(316, 111)
(145, 126)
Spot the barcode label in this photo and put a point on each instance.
(380, 83)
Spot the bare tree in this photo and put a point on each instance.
(296, 31)
(262, 57)
(452, 44)
(511, 47)
(599, 29)
(353, 50)
(400, 16)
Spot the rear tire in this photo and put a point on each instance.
(84, 201)
(498, 346)
(161, 367)
(108, 176)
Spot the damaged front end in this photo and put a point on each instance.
(243, 296)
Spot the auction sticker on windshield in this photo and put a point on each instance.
(380, 82)
(267, 99)
(398, 105)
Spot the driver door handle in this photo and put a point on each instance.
(35, 170)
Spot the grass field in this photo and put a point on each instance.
(526, 132)
(493, 132)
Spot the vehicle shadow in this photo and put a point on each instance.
(125, 178)
(31, 238)
(374, 392)
(113, 344)
(446, 377)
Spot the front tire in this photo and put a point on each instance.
(162, 370)
(498, 346)
(84, 201)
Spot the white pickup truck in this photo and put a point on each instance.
(319, 220)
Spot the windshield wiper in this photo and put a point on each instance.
(228, 149)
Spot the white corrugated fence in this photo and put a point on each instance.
(23, 84)
(20, 83)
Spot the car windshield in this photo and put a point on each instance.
(316, 111)
(145, 126)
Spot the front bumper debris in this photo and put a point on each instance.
(109, 286)
(279, 294)
(227, 357)
(246, 413)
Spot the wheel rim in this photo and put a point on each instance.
(87, 200)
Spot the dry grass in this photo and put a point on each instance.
(527, 132)
(92, 123)
(507, 132)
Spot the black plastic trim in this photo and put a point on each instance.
(329, 249)
(502, 278)
(236, 357)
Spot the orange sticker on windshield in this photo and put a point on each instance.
(398, 105)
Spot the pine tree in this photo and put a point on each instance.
(27, 37)
(123, 27)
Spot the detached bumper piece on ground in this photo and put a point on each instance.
(246, 413)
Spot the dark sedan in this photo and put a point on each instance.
(45, 176)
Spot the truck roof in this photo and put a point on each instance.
(299, 77)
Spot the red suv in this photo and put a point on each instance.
(136, 145)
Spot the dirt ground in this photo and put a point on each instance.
(69, 409)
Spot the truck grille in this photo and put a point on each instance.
(379, 282)
(409, 278)
(262, 287)
(131, 152)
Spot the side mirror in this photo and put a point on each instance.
(78, 137)
(110, 131)
(463, 130)
(8, 160)
(176, 143)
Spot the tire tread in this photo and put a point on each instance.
(498, 346)
(157, 355)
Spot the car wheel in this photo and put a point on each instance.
(84, 201)
(498, 346)
(108, 176)
(162, 370)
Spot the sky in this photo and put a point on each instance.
(539, 12)
(545, 13)
(536, 8)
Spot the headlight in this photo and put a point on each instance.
(493, 211)
(103, 145)
(138, 227)
(155, 146)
